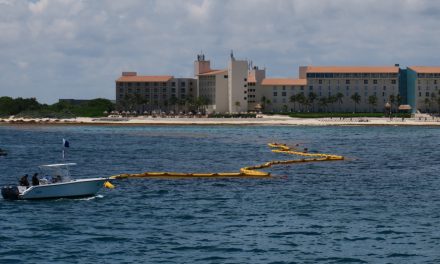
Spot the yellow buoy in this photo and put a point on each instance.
(108, 185)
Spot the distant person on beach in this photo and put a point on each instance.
(35, 180)
(24, 181)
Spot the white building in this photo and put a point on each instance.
(225, 89)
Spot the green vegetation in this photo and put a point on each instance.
(232, 115)
(344, 115)
(31, 108)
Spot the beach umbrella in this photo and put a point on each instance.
(405, 107)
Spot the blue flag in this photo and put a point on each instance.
(65, 143)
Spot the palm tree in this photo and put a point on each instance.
(331, 100)
(263, 102)
(237, 105)
(301, 99)
(438, 102)
(398, 100)
(311, 99)
(392, 100)
(427, 104)
(356, 99)
(339, 97)
(293, 99)
(173, 102)
(268, 102)
(323, 102)
(372, 101)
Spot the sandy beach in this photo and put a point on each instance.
(262, 120)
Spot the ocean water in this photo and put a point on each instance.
(381, 205)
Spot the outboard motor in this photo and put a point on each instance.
(10, 192)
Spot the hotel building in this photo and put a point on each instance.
(423, 88)
(367, 82)
(153, 92)
(226, 89)
(241, 88)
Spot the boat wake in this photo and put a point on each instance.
(91, 198)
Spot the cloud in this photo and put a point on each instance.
(39, 6)
(71, 48)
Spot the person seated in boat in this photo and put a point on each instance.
(35, 180)
(56, 179)
(24, 181)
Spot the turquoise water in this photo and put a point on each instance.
(380, 206)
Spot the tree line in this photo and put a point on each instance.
(30, 107)
(135, 102)
(326, 104)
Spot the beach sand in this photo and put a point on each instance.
(263, 120)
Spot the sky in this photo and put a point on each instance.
(51, 49)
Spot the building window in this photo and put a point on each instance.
(427, 94)
(173, 84)
(275, 93)
(225, 76)
(420, 93)
(374, 81)
(283, 94)
(365, 81)
(310, 88)
(245, 79)
(182, 84)
(347, 81)
(245, 98)
(384, 88)
(393, 81)
(320, 81)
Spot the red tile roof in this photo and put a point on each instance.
(352, 69)
(283, 81)
(425, 69)
(213, 72)
(163, 78)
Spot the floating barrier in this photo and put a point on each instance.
(246, 172)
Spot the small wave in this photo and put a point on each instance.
(356, 238)
(91, 198)
(390, 232)
(341, 260)
(304, 233)
(401, 255)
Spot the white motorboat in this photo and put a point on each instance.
(55, 183)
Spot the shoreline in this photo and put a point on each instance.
(264, 121)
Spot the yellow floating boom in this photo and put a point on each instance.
(246, 172)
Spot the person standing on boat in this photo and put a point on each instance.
(24, 181)
(35, 180)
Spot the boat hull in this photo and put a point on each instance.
(71, 189)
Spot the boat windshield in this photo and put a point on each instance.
(54, 173)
